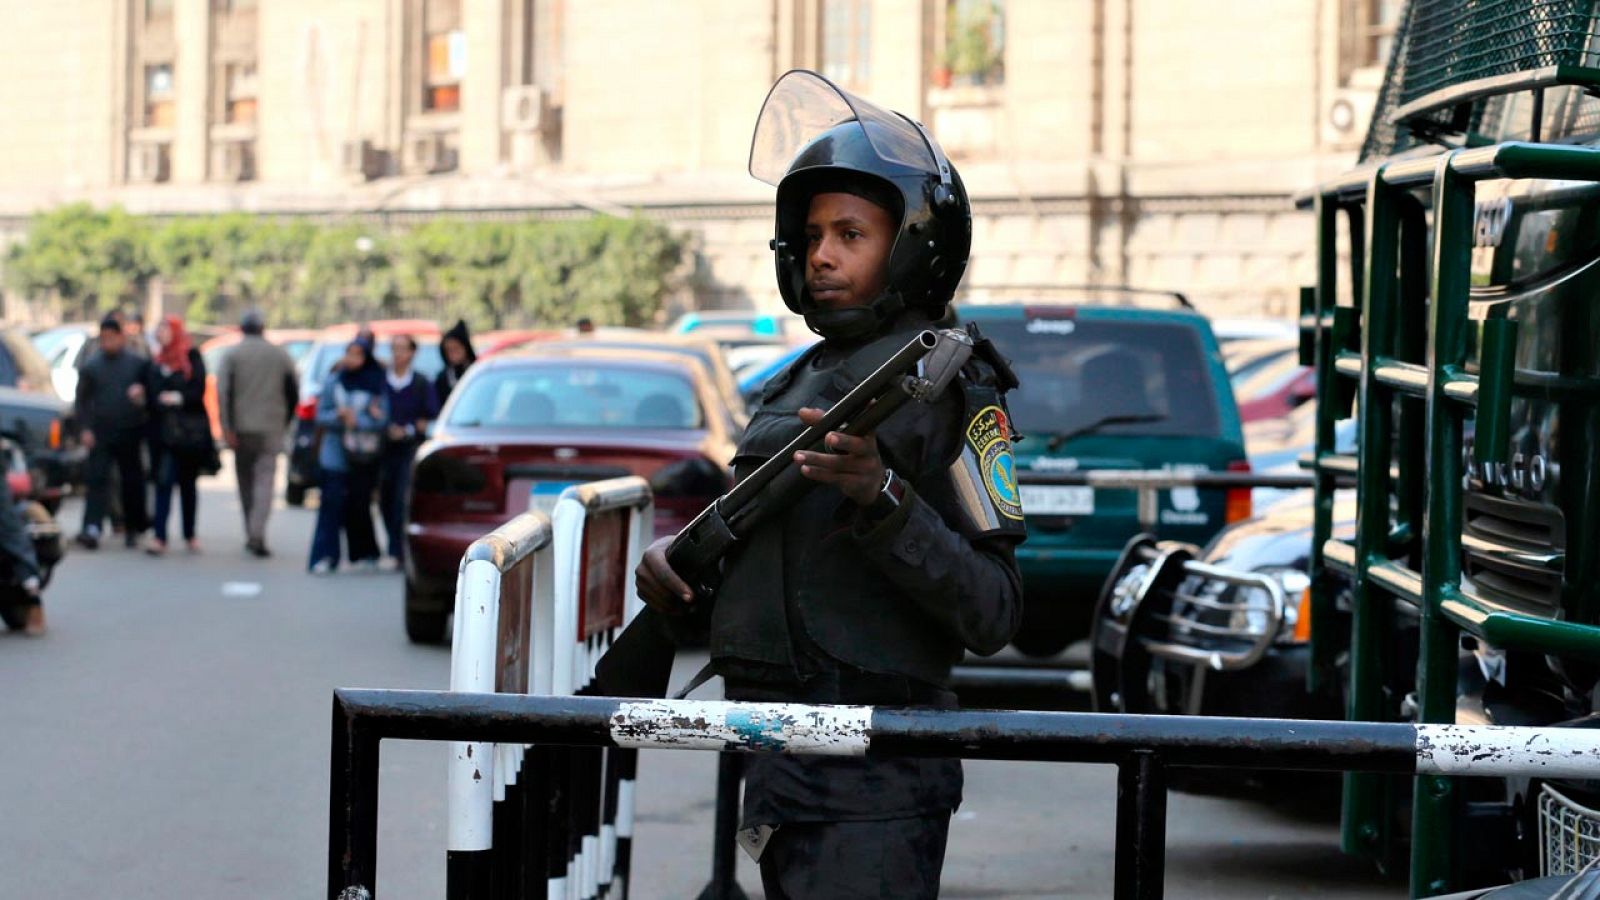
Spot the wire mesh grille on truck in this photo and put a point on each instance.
(1440, 44)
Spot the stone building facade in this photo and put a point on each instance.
(1154, 143)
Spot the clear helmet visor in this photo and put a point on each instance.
(802, 105)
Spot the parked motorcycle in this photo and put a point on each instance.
(41, 528)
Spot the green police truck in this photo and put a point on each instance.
(1461, 333)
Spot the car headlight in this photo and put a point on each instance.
(1295, 584)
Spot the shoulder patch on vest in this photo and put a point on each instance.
(989, 436)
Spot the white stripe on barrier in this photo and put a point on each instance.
(713, 725)
(472, 781)
(1508, 750)
(625, 809)
(608, 853)
(567, 652)
(591, 865)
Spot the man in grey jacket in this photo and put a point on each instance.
(256, 396)
(112, 409)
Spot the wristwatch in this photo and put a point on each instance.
(890, 494)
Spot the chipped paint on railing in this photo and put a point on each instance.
(773, 727)
(1509, 751)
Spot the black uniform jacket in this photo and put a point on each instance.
(822, 605)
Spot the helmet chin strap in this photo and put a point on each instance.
(855, 322)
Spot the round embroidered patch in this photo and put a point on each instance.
(989, 435)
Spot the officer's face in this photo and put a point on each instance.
(848, 240)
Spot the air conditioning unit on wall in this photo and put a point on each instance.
(1346, 116)
(148, 163)
(361, 158)
(428, 153)
(525, 107)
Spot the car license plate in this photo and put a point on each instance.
(544, 495)
(1057, 500)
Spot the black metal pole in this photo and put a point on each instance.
(352, 807)
(1141, 827)
(1209, 741)
(724, 840)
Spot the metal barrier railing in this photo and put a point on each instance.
(1142, 748)
(504, 580)
(538, 602)
(608, 524)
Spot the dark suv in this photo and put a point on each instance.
(1108, 387)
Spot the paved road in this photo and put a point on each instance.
(169, 738)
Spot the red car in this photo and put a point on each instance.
(1275, 389)
(521, 425)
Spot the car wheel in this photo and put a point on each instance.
(295, 495)
(426, 619)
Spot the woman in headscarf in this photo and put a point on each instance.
(412, 405)
(456, 347)
(352, 412)
(181, 429)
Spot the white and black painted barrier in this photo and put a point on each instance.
(1142, 747)
(537, 603)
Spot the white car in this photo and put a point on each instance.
(64, 347)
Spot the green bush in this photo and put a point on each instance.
(493, 274)
(93, 260)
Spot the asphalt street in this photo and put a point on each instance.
(169, 738)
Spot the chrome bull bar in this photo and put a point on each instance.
(1131, 593)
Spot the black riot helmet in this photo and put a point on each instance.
(814, 137)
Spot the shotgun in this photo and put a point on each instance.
(639, 663)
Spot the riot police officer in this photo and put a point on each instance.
(901, 557)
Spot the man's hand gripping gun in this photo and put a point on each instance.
(921, 370)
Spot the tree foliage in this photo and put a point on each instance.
(92, 259)
(493, 274)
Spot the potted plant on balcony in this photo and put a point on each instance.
(974, 52)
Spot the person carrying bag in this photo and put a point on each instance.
(177, 387)
(352, 412)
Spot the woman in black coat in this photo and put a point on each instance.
(177, 389)
(456, 347)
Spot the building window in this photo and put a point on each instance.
(158, 96)
(974, 44)
(1366, 34)
(239, 93)
(444, 54)
(847, 42)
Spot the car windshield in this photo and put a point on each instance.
(576, 395)
(298, 348)
(53, 342)
(1075, 373)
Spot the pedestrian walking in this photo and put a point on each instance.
(139, 343)
(256, 395)
(456, 348)
(900, 558)
(112, 409)
(177, 388)
(412, 405)
(353, 411)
